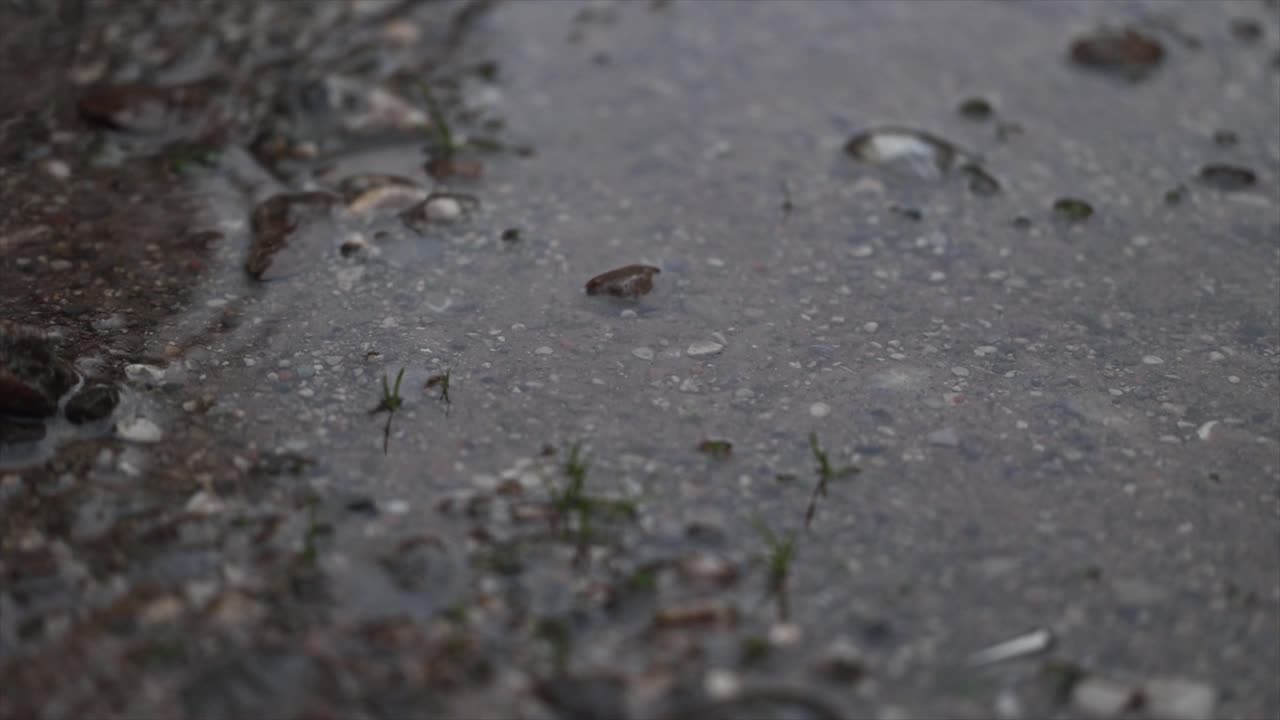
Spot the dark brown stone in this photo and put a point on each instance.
(631, 281)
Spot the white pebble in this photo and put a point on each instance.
(1152, 360)
(937, 276)
(1101, 698)
(960, 371)
(1175, 699)
(870, 326)
(138, 429)
(544, 350)
(444, 209)
(984, 350)
(704, 347)
(1206, 430)
(57, 169)
(1233, 379)
(819, 409)
(644, 353)
(784, 634)
(722, 684)
(145, 373)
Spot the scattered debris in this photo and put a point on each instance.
(716, 449)
(1033, 642)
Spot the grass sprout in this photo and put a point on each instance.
(826, 473)
(390, 403)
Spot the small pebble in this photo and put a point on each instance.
(1233, 379)
(57, 169)
(644, 353)
(704, 347)
(871, 326)
(139, 430)
(1101, 698)
(784, 634)
(1152, 360)
(960, 371)
(1206, 430)
(819, 409)
(1174, 699)
(544, 350)
(722, 684)
(842, 662)
(443, 209)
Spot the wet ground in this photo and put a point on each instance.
(961, 325)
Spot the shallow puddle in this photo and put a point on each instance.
(856, 402)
